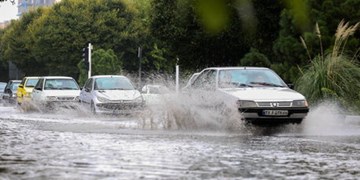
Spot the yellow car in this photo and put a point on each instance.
(25, 89)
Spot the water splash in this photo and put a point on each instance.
(327, 118)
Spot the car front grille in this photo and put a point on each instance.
(66, 98)
(119, 106)
(275, 104)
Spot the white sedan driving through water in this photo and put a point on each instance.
(258, 93)
(51, 91)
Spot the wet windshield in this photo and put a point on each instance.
(2, 87)
(249, 78)
(14, 86)
(61, 84)
(113, 83)
(31, 82)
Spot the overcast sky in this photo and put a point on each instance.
(8, 11)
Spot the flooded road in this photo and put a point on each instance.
(75, 145)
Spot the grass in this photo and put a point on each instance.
(334, 75)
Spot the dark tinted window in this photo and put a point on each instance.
(39, 84)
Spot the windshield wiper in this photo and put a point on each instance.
(267, 84)
(241, 84)
(67, 88)
(117, 89)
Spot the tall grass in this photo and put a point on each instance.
(333, 75)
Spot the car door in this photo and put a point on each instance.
(86, 92)
(38, 90)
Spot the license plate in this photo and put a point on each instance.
(275, 112)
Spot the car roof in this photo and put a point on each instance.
(237, 67)
(32, 77)
(15, 81)
(56, 77)
(102, 76)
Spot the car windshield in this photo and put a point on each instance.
(113, 83)
(2, 87)
(60, 84)
(14, 86)
(229, 78)
(31, 82)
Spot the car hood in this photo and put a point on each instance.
(264, 93)
(62, 93)
(118, 94)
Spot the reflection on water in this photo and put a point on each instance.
(69, 144)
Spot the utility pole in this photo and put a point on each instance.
(177, 76)
(139, 56)
(89, 57)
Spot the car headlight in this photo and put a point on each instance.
(139, 99)
(246, 104)
(13, 95)
(300, 103)
(102, 99)
(51, 98)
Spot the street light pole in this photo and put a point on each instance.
(139, 56)
(177, 76)
(89, 58)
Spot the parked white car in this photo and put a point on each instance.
(111, 94)
(258, 93)
(51, 91)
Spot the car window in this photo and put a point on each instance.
(39, 84)
(31, 82)
(113, 83)
(88, 84)
(249, 78)
(264, 77)
(232, 78)
(2, 86)
(205, 80)
(60, 84)
(14, 86)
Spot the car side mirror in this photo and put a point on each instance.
(21, 86)
(291, 86)
(37, 88)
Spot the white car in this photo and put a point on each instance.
(51, 91)
(111, 94)
(154, 93)
(258, 93)
(190, 81)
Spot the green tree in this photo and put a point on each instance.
(103, 62)
(255, 58)
(16, 44)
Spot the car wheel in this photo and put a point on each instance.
(92, 108)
